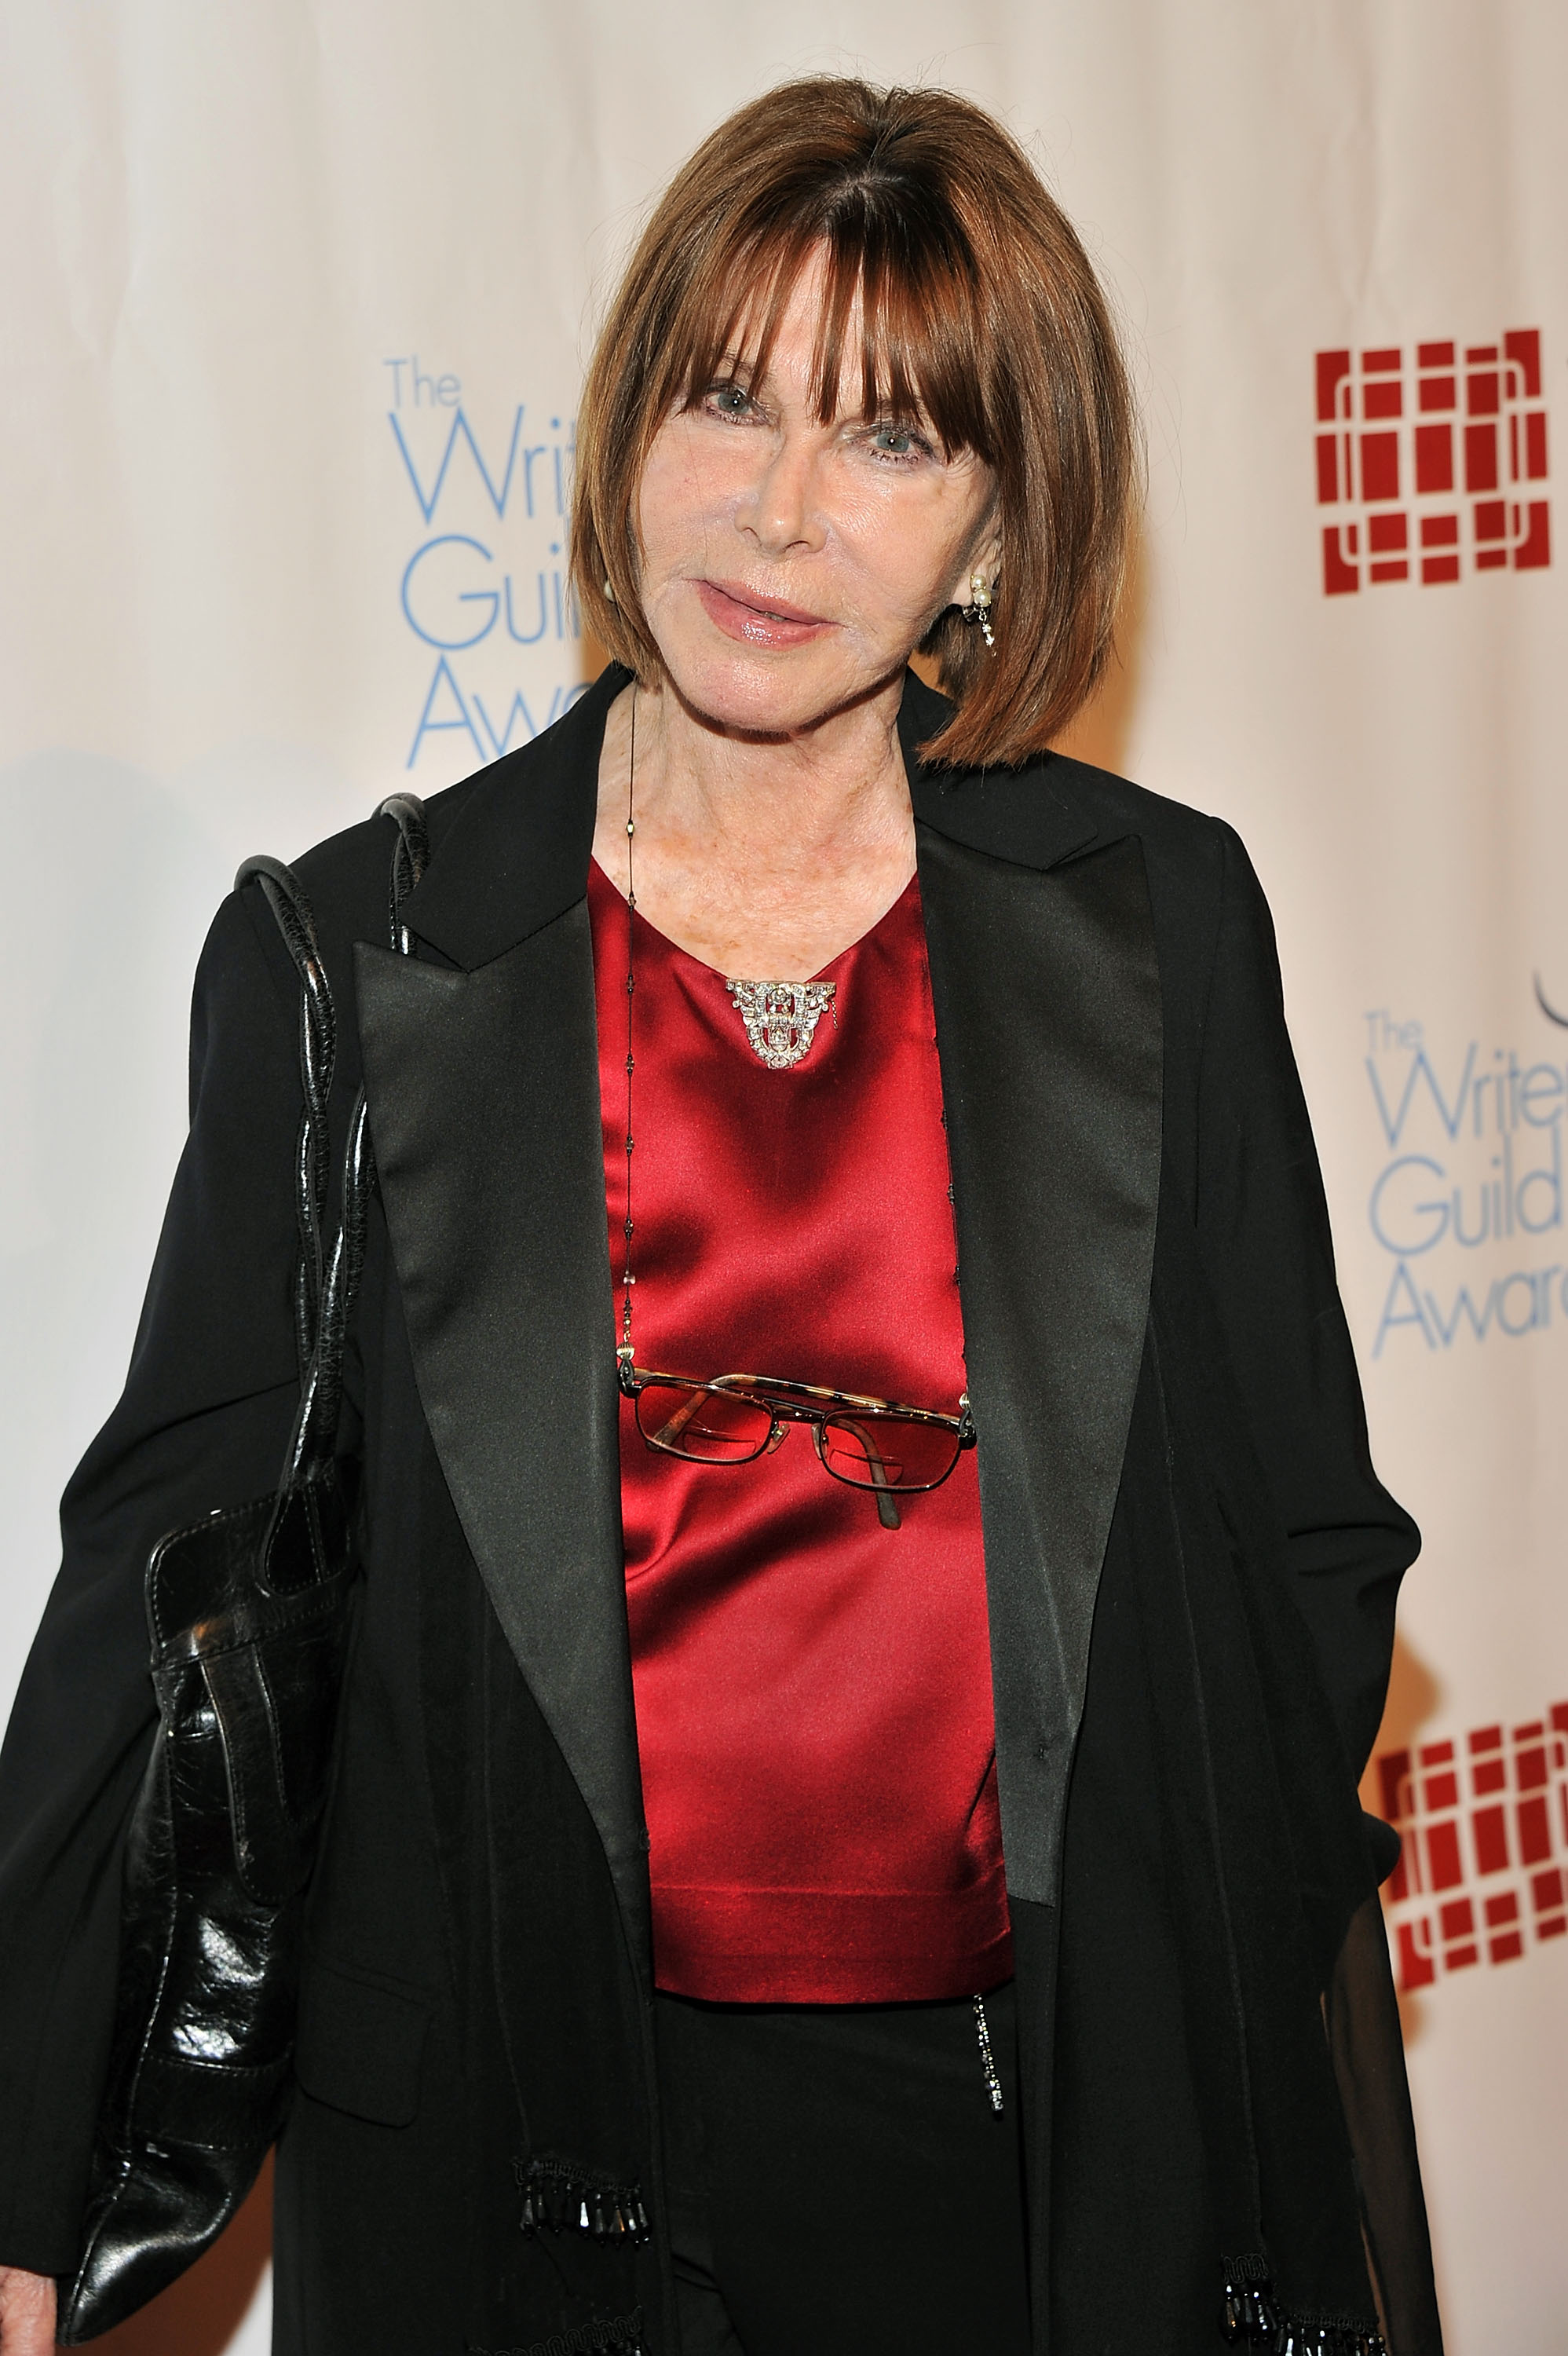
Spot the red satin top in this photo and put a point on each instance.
(813, 1691)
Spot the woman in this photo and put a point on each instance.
(910, 1855)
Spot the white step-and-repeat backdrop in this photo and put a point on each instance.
(297, 294)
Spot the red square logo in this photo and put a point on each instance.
(1483, 1871)
(1435, 448)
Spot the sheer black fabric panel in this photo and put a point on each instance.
(1369, 2062)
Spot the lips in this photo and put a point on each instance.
(746, 614)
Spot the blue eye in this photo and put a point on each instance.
(730, 400)
(892, 441)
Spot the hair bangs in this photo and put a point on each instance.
(899, 332)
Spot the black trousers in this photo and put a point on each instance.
(840, 2182)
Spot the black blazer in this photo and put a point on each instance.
(1190, 1567)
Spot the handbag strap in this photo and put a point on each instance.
(327, 1279)
(285, 896)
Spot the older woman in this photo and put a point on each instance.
(845, 1830)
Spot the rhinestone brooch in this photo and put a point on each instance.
(781, 1017)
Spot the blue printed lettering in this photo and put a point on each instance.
(1437, 1212)
(1463, 1305)
(483, 598)
(461, 427)
(1400, 1289)
(432, 727)
(1393, 1123)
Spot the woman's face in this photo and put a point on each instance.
(790, 568)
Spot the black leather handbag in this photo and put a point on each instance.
(248, 1611)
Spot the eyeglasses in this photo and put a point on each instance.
(866, 1444)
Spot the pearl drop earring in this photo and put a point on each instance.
(978, 609)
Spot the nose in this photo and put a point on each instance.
(779, 509)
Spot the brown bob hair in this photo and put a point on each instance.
(978, 308)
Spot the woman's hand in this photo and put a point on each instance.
(27, 2313)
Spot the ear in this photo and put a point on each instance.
(987, 559)
(984, 558)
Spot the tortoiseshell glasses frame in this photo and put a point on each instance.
(866, 1444)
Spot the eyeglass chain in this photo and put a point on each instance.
(627, 1278)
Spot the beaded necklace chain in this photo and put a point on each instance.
(627, 1278)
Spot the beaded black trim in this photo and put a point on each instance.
(1251, 2313)
(624, 2337)
(1327, 2335)
(567, 2198)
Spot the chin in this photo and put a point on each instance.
(771, 695)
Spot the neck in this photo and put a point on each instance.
(841, 780)
(760, 855)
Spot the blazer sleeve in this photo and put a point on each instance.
(1263, 1226)
(202, 1423)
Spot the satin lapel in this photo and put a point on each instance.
(1048, 1011)
(483, 1095)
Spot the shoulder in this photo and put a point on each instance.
(509, 846)
(1205, 900)
(512, 808)
(1172, 832)
(1213, 918)
(345, 877)
(1055, 807)
(516, 833)
(1201, 880)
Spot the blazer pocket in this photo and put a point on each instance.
(360, 2045)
